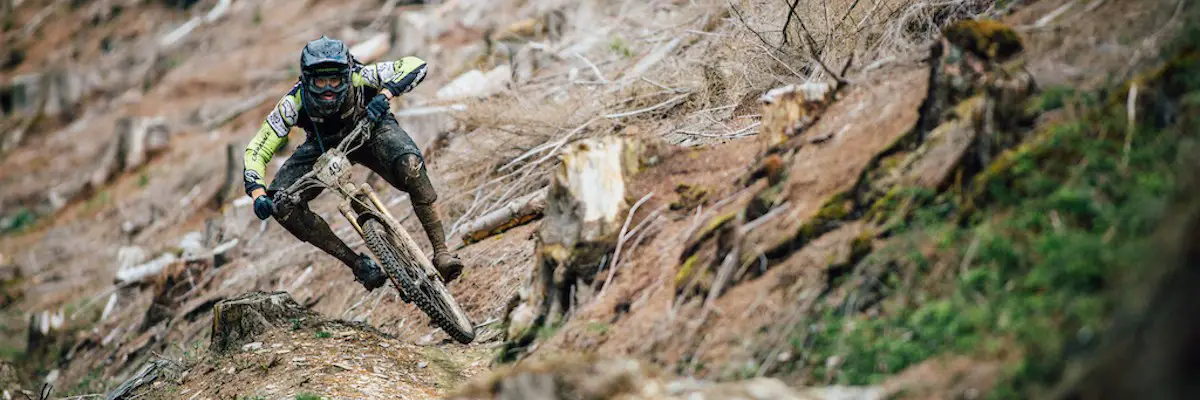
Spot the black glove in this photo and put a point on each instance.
(264, 207)
(377, 108)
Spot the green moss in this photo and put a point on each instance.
(862, 244)
(1050, 228)
(1051, 98)
(836, 208)
(690, 196)
(990, 40)
(685, 270)
(598, 327)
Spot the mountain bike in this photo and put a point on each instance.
(411, 272)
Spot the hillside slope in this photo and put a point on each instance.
(954, 213)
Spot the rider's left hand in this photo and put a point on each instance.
(377, 108)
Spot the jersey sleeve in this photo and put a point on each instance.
(399, 76)
(271, 136)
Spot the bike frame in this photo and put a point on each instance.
(332, 171)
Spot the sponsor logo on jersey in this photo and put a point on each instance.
(288, 108)
(275, 120)
(371, 75)
(387, 71)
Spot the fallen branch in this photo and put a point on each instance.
(1046, 20)
(612, 266)
(594, 68)
(517, 212)
(669, 102)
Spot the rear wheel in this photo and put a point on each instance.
(429, 294)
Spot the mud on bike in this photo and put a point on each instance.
(410, 271)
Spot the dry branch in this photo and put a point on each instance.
(517, 212)
(612, 267)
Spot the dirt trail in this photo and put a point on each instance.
(674, 75)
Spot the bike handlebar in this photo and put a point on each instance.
(360, 129)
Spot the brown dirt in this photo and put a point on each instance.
(637, 317)
(335, 360)
(69, 256)
(1085, 48)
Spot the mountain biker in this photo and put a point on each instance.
(334, 92)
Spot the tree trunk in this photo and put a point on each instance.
(585, 208)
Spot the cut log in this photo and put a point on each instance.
(130, 273)
(145, 376)
(585, 208)
(241, 318)
(515, 213)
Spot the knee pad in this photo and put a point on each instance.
(410, 166)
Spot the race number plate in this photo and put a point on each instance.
(333, 168)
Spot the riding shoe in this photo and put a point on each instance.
(448, 265)
(368, 273)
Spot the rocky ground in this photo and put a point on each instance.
(847, 237)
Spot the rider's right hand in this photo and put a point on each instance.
(263, 207)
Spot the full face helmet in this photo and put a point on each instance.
(325, 68)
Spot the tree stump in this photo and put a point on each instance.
(585, 208)
(137, 140)
(788, 110)
(241, 318)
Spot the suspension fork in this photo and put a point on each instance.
(348, 193)
(366, 188)
(345, 210)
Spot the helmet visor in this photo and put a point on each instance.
(328, 82)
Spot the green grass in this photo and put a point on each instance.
(308, 396)
(323, 335)
(19, 221)
(619, 46)
(1055, 234)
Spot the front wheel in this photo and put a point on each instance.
(430, 295)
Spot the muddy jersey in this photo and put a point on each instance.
(399, 77)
